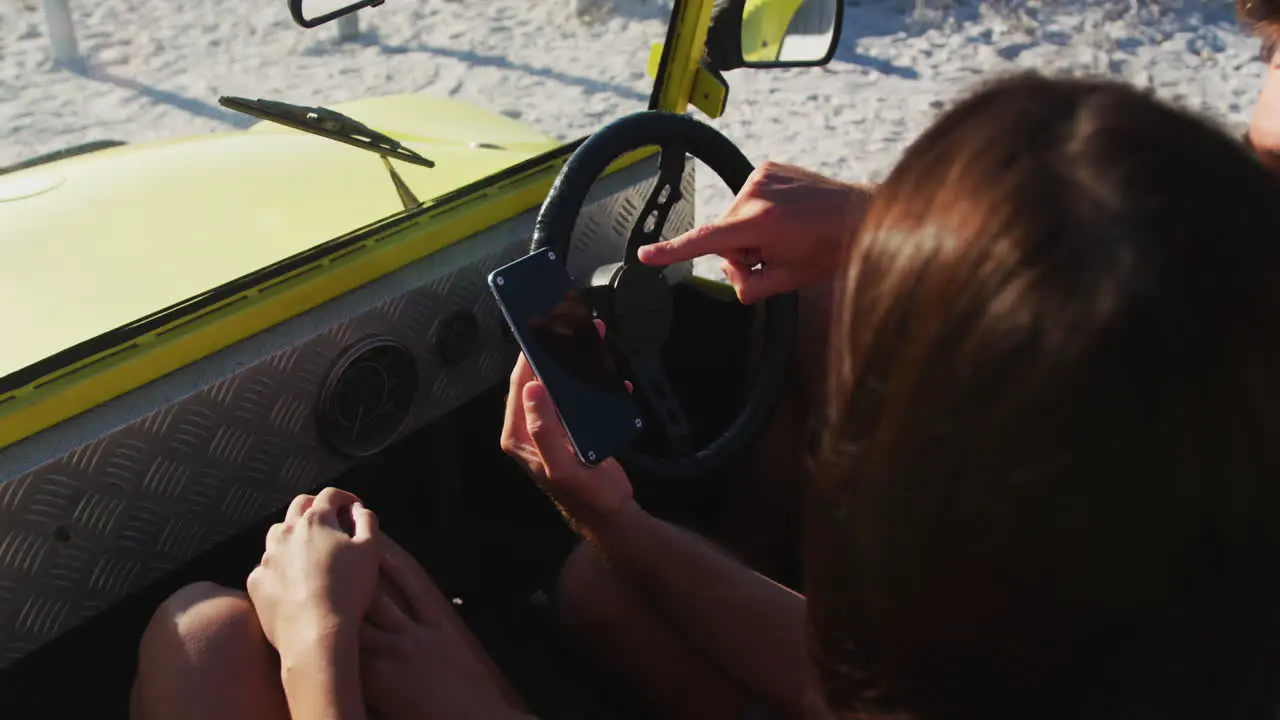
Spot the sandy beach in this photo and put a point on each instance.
(155, 69)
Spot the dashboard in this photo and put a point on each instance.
(107, 502)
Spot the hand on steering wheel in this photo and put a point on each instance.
(782, 232)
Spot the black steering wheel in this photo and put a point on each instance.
(636, 302)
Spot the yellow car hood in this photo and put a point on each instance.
(93, 242)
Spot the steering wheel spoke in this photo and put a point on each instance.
(665, 195)
(648, 375)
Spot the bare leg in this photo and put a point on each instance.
(411, 587)
(762, 520)
(617, 627)
(203, 655)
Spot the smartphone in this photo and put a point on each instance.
(555, 327)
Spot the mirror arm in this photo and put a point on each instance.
(724, 36)
(295, 10)
(710, 92)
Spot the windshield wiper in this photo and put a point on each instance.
(326, 123)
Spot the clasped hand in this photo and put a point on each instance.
(315, 581)
(320, 592)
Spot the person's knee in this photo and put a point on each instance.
(201, 593)
(201, 640)
(198, 623)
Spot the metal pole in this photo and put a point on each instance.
(348, 27)
(62, 34)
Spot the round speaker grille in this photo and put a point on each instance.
(368, 396)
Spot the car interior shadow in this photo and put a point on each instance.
(486, 535)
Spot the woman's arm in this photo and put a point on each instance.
(322, 679)
(310, 591)
(752, 628)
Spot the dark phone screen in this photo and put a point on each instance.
(553, 324)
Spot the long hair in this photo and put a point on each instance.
(1049, 475)
(1262, 17)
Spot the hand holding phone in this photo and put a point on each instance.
(533, 435)
(556, 330)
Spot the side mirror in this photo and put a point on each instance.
(774, 33)
(310, 13)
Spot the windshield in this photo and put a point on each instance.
(192, 201)
(155, 70)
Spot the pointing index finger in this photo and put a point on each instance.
(716, 238)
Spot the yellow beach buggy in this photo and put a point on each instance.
(194, 331)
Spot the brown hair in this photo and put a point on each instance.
(1262, 17)
(1047, 484)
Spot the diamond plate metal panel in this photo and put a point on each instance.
(80, 531)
